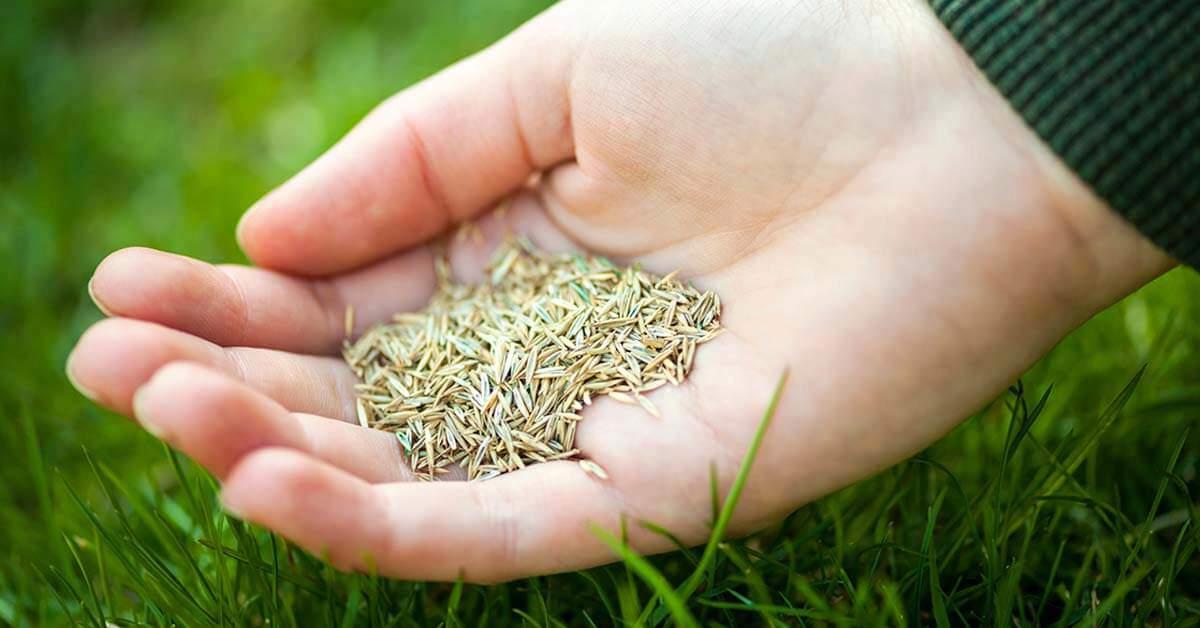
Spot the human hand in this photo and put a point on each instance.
(871, 213)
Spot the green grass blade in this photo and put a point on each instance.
(1145, 529)
(684, 550)
(1103, 423)
(353, 604)
(762, 597)
(735, 492)
(936, 595)
(87, 581)
(601, 594)
(651, 576)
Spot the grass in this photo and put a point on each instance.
(1070, 500)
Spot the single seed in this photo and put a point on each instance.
(361, 407)
(621, 397)
(592, 468)
(648, 406)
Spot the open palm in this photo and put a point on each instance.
(872, 216)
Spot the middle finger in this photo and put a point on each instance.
(118, 355)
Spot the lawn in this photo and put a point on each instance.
(1068, 500)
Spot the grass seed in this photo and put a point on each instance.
(492, 376)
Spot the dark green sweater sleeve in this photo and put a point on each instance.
(1113, 87)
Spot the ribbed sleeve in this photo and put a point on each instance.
(1113, 86)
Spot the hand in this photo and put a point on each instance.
(872, 214)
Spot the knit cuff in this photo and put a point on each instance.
(1113, 87)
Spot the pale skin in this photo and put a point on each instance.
(872, 214)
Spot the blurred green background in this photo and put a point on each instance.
(157, 123)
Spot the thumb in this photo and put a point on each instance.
(434, 154)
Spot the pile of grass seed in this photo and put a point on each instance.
(492, 376)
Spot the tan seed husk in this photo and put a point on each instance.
(592, 468)
(492, 376)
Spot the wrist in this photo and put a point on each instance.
(1092, 254)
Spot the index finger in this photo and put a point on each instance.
(432, 155)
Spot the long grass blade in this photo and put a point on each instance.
(651, 576)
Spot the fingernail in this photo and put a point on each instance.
(231, 510)
(74, 379)
(239, 233)
(144, 417)
(91, 288)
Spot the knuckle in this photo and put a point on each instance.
(503, 530)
